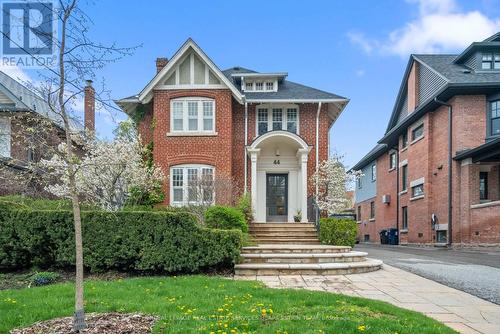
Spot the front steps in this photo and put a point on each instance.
(288, 259)
(284, 233)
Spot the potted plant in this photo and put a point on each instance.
(297, 217)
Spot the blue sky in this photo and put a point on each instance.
(357, 49)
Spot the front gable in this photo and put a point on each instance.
(189, 68)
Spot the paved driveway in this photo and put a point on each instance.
(475, 272)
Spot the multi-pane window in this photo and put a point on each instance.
(262, 120)
(495, 118)
(404, 178)
(372, 210)
(291, 120)
(272, 119)
(193, 115)
(404, 219)
(248, 85)
(392, 160)
(374, 172)
(405, 139)
(359, 213)
(5, 135)
(490, 61)
(277, 119)
(192, 185)
(417, 132)
(483, 186)
(417, 190)
(270, 85)
(263, 86)
(259, 86)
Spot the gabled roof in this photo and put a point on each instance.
(145, 95)
(25, 100)
(374, 153)
(287, 90)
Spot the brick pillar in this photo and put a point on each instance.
(160, 64)
(89, 107)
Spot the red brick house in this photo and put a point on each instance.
(261, 131)
(20, 109)
(435, 176)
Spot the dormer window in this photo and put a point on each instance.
(270, 85)
(259, 86)
(490, 61)
(249, 86)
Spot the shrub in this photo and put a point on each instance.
(245, 206)
(225, 217)
(160, 242)
(44, 278)
(30, 203)
(337, 231)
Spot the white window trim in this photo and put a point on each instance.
(264, 85)
(5, 121)
(185, 119)
(185, 185)
(284, 119)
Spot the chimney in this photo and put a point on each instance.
(160, 64)
(89, 107)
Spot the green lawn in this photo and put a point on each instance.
(200, 304)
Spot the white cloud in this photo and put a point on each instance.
(439, 27)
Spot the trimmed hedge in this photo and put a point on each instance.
(337, 231)
(225, 217)
(152, 242)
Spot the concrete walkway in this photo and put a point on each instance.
(459, 310)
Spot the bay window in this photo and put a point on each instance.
(280, 117)
(191, 185)
(193, 114)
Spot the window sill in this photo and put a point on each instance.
(485, 205)
(417, 198)
(391, 169)
(371, 219)
(403, 231)
(403, 192)
(404, 148)
(192, 134)
(359, 222)
(416, 140)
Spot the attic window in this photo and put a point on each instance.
(261, 86)
(490, 61)
(269, 85)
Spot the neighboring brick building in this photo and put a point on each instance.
(255, 131)
(28, 127)
(407, 182)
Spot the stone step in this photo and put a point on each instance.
(282, 228)
(286, 240)
(301, 234)
(299, 225)
(342, 268)
(303, 257)
(290, 248)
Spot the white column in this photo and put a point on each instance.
(302, 153)
(253, 158)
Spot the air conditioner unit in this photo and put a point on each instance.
(386, 199)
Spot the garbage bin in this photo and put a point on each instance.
(393, 236)
(384, 238)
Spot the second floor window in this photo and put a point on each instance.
(272, 119)
(417, 132)
(404, 178)
(192, 115)
(374, 172)
(405, 139)
(495, 118)
(392, 160)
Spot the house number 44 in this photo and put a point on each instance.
(276, 162)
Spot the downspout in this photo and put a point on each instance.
(316, 158)
(397, 192)
(450, 176)
(245, 149)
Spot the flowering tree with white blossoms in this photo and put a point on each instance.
(106, 174)
(332, 180)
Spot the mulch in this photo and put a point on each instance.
(97, 323)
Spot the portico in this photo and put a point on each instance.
(279, 176)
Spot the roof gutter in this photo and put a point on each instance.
(450, 177)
